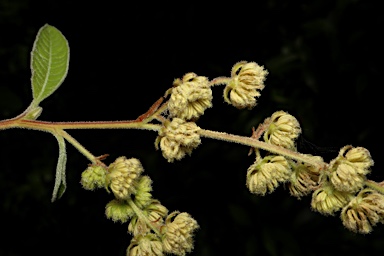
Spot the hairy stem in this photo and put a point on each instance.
(220, 80)
(79, 147)
(48, 126)
(262, 145)
(374, 185)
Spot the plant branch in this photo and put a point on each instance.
(81, 148)
(374, 185)
(262, 145)
(48, 126)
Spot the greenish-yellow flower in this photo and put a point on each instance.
(177, 138)
(154, 212)
(148, 245)
(190, 97)
(177, 233)
(327, 200)
(118, 210)
(123, 175)
(265, 174)
(304, 179)
(93, 177)
(143, 196)
(348, 171)
(247, 80)
(283, 130)
(364, 211)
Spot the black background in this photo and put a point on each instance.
(324, 65)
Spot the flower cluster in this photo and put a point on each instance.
(333, 186)
(342, 187)
(265, 174)
(191, 95)
(337, 186)
(154, 230)
(344, 177)
(173, 233)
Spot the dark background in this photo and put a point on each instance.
(324, 65)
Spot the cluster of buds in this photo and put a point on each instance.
(344, 177)
(154, 230)
(265, 174)
(342, 187)
(174, 234)
(333, 189)
(339, 185)
(191, 95)
(189, 98)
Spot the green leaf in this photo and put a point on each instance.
(60, 183)
(49, 62)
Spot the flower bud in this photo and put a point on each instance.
(154, 212)
(177, 138)
(327, 200)
(358, 156)
(190, 97)
(118, 210)
(349, 169)
(177, 233)
(247, 79)
(364, 211)
(138, 226)
(147, 245)
(143, 196)
(264, 175)
(283, 130)
(156, 206)
(304, 179)
(122, 176)
(93, 177)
